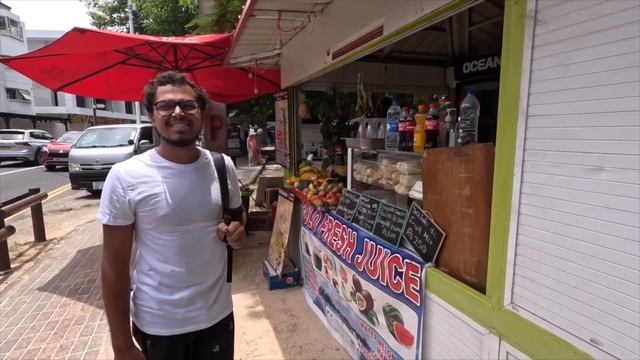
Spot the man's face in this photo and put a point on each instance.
(177, 125)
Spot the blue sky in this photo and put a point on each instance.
(50, 14)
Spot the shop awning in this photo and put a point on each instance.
(267, 25)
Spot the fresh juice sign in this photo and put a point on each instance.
(369, 293)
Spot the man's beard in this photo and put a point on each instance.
(180, 143)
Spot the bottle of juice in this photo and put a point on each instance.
(418, 132)
(409, 129)
(431, 128)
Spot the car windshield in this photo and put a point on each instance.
(106, 137)
(11, 135)
(69, 138)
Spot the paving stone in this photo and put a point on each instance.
(23, 343)
(41, 339)
(31, 353)
(8, 345)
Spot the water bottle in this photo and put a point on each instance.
(392, 137)
(468, 124)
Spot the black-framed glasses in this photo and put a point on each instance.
(167, 107)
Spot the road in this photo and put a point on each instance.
(17, 178)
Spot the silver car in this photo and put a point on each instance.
(23, 145)
(100, 147)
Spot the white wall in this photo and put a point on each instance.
(451, 335)
(576, 244)
(307, 52)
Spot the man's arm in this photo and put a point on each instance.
(116, 286)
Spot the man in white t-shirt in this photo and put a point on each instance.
(169, 200)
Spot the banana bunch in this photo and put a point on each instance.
(309, 173)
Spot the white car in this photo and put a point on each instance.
(23, 145)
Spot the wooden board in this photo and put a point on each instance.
(457, 190)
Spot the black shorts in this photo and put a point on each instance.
(212, 343)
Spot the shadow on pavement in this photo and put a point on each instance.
(16, 165)
(79, 279)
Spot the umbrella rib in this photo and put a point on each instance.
(152, 64)
(196, 67)
(261, 77)
(207, 54)
(62, 87)
(161, 55)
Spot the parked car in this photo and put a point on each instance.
(100, 147)
(57, 152)
(23, 145)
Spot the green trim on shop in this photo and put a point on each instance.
(427, 19)
(489, 311)
(506, 136)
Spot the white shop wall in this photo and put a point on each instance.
(577, 239)
(451, 335)
(306, 53)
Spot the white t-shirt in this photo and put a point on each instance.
(179, 281)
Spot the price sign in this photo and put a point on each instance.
(390, 222)
(348, 204)
(366, 212)
(423, 234)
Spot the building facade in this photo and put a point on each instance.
(27, 104)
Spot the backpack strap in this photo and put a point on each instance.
(221, 169)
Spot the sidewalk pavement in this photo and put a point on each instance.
(54, 309)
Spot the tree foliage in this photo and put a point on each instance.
(223, 18)
(256, 111)
(153, 17)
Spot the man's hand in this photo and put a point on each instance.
(131, 353)
(234, 232)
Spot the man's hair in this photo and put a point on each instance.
(173, 78)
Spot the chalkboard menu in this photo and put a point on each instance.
(390, 223)
(366, 212)
(348, 204)
(423, 234)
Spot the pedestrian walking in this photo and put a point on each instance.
(169, 201)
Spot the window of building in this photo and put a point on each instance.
(18, 94)
(128, 107)
(102, 104)
(11, 27)
(82, 102)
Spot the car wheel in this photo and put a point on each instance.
(50, 167)
(38, 159)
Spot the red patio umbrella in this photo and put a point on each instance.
(112, 65)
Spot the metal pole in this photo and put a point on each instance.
(136, 105)
(37, 219)
(5, 260)
(94, 111)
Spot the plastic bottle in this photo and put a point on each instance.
(468, 124)
(382, 126)
(372, 130)
(402, 128)
(431, 126)
(418, 132)
(450, 125)
(362, 129)
(392, 138)
(409, 129)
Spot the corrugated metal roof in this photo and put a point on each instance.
(267, 25)
(475, 31)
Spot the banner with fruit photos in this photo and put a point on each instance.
(369, 293)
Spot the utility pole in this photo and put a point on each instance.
(136, 105)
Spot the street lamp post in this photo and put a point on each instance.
(95, 107)
(131, 7)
